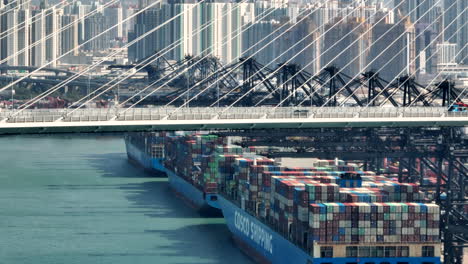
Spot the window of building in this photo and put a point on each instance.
(364, 252)
(390, 252)
(380, 252)
(304, 238)
(427, 251)
(351, 252)
(403, 251)
(326, 252)
(157, 151)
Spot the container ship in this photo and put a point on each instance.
(326, 212)
(186, 159)
(147, 151)
(191, 169)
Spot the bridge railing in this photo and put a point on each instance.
(169, 113)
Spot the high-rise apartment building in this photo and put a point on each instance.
(128, 26)
(52, 28)
(446, 54)
(346, 46)
(45, 36)
(423, 14)
(79, 10)
(273, 42)
(15, 30)
(418, 11)
(144, 22)
(93, 27)
(10, 43)
(113, 16)
(38, 32)
(455, 26)
(393, 49)
(69, 36)
(23, 19)
(462, 34)
(207, 28)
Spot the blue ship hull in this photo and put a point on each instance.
(206, 203)
(142, 159)
(257, 239)
(267, 246)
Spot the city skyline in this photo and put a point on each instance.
(397, 39)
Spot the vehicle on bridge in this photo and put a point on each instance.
(459, 107)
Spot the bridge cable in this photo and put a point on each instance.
(354, 79)
(440, 73)
(208, 76)
(413, 60)
(58, 86)
(80, 45)
(357, 27)
(4, 8)
(361, 53)
(429, 83)
(282, 54)
(331, 61)
(54, 34)
(160, 54)
(31, 20)
(196, 84)
(293, 25)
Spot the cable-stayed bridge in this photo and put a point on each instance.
(199, 92)
(239, 118)
(249, 95)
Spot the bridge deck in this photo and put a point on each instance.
(142, 119)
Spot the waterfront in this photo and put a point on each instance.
(76, 199)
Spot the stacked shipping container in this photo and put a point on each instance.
(199, 159)
(373, 222)
(330, 202)
(320, 204)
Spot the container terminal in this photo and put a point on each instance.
(389, 196)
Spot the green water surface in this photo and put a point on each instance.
(76, 199)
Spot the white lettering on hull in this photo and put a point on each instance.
(254, 231)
